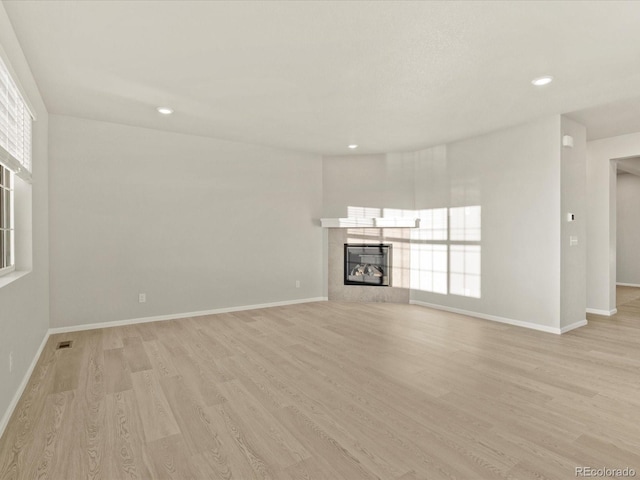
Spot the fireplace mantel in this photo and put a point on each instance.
(380, 222)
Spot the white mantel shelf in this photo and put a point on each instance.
(381, 222)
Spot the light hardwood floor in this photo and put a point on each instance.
(625, 295)
(331, 391)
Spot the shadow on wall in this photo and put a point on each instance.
(443, 255)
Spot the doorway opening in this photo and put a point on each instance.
(627, 230)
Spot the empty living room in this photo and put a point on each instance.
(328, 240)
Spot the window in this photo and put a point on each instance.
(6, 221)
(15, 160)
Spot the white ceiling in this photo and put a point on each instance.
(316, 76)
(611, 119)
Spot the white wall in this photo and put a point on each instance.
(573, 292)
(628, 224)
(193, 222)
(383, 180)
(601, 217)
(24, 303)
(515, 176)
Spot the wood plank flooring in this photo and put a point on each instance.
(625, 294)
(331, 391)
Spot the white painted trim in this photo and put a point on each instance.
(346, 222)
(494, 318)
(378, 222)
(25, 380)
(573, 326)
(628, 284)
(8, 278)
(383, 222)
(176, 316)
(606, 313)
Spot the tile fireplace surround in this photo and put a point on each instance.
(398, 292)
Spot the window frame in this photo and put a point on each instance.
(7, 191)
(16, 158)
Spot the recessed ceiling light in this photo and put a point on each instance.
(540, 81)
(353, 146)
(165, 110)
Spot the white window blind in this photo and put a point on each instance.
(15, 127)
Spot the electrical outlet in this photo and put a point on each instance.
(142, 297)
(10, 362)
(297, 283)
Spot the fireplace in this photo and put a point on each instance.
(367, 264)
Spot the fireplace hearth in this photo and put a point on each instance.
(366, 264)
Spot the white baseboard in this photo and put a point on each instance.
(606, 313)
(25, 380)
(629, 285)
(494, 318)
(176, 316)
(573, 326)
